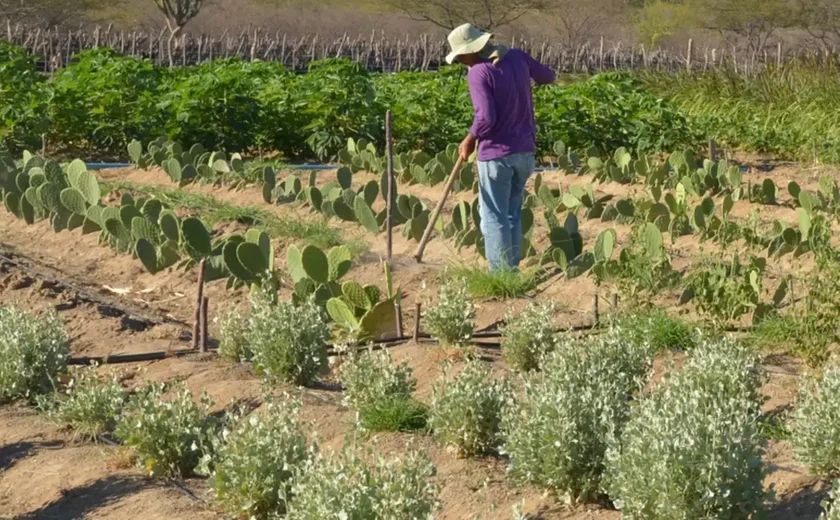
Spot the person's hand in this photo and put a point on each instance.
(466, 148)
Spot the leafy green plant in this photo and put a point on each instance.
(393, 413)
(693, 448)
(830, 511)
(90, 404)
(24, 112)
(371, 375)
(34, 350)
(466, 409)
(501, 283)
(288, 342)
(233, 335)
(528, 336)
(356, 483)
(557, 434)
(256, 461)
(451, 320)
(169, 434)
(655, 326)
(816, 431)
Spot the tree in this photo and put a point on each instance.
(484, 14)
(750, 21)
(178, 13)
(821, 19)
(576, 22)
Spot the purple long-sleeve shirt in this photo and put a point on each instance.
(504, 109)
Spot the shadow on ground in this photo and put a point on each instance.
(78, 502)
(11, 453)
(802, 505)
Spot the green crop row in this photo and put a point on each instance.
(102, 101)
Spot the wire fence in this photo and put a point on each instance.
(382, 54)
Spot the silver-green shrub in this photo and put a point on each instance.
(33, 351)
(527, 337)
(370, 376)
(693, 448)
(816, 424)
(233, 336)
(466, 410)
(355, 484)
(256, 460)
(451, 320)
(169, 434)
(557, 434)
(288, 342)
(90, 404)
(832, 511)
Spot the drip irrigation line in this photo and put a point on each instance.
(83, 295)
(117, 359)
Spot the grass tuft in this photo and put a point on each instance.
(504, 284)
(394, 413)
(664, 332)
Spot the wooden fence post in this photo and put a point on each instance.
(416, 335)
(389, 218)
(196, 332)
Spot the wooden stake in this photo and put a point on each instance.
(416, 322)
(595, 314)
(688, 56)
(712, 150)
(389, 219)
(198, 302)
(615, 302)
(203, 334)
(398, 311)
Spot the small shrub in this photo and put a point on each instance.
(662, 331)
(466, 410)
(91, 404)
(33, 351)
(255, 462)
(233, 336)
(816, 424)
(452, 320)
(380, 390)
(830, 511)
(370, 376)
(356, 485)
(557, 434)
(529, 336)
(289, 343)
(693, 448)
(168, 435)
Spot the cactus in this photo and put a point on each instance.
(339, 259)
(127, 214)
(196, 238)
(49, 196)
(354, 294)
(316, 264)
(145, 230)
(365, 215)
(604, 245)
(73, 200)
(343, 315)
(804, 219)
(652, 241)
(252, 258)
(343, 211)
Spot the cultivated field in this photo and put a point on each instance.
(645, 362)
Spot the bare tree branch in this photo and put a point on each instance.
(484, 14)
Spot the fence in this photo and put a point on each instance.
(378, 53)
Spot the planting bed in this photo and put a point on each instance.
(47, 473)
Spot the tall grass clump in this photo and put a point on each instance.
(255, 462)
(33, 350)
(380, 391)
(502, 283)
(288, 343)
(557, 434)
(816, 423)
(451, 320)
(356, 484)
(528, 336)
(693, 448)
(662, 331)
(168, 430)
(90, 404)
(466, 409)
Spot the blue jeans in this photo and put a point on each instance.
(501, 184)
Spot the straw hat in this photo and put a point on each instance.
(466, 39)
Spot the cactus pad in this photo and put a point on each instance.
(316, 264)
(73, 200)
(196, 238)
(339, 260)
(147, 254)
(251, 257)
(365, 215)
(355, 295)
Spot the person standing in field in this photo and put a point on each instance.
(504, 127)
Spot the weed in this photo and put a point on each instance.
(289, 343)
(255, 462)
(370, 376)
(693, 448)
(656, 327)
(169, 435)
(34, 351)
(816, 430)
(393, 413)
(233, 336)
(503, 283)
(526, 338)
(452, 320)
(91, 404)
(466, 410)
(727, 290)
(356, 484)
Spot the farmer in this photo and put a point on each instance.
(500, 88)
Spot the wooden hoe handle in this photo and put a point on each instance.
(436, 213)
